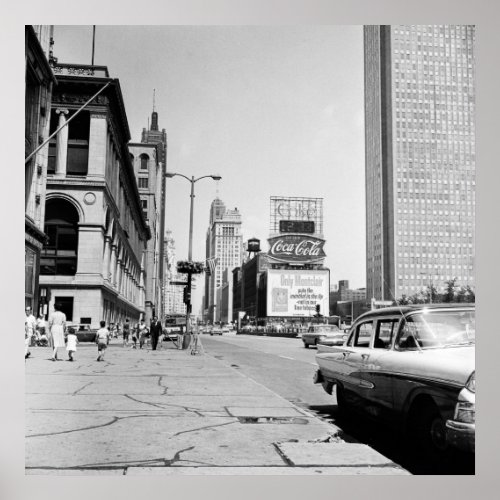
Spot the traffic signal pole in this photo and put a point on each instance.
(192, 180)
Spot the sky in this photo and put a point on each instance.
(274, 110)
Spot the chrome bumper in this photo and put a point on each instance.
(461, 435)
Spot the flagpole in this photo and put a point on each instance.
(93, 43)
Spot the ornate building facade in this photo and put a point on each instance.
(94, 261)
(149, 157)
(39, 82)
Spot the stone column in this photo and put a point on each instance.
(119, 272)
(106, 258)
(112, 263)
(98, 145)
(62, 144)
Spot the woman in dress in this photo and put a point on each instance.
(57, 325)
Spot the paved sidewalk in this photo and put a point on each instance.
(166, 412)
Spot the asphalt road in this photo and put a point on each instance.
(284, 366)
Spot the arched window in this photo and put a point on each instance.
(144, 162)
(60, 255)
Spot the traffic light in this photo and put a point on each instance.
(318, 308)
(187, 295)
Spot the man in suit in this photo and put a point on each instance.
(155, 331)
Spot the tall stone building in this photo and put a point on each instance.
(94, 261)
(39, 82)
(420, 157)
(173, 293)
(149, 157)
(225, 243)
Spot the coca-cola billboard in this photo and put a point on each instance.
(296, 248)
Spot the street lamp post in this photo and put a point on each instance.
(192, 180)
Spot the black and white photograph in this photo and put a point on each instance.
(251, 250)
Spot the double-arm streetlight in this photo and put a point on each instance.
(192, 180)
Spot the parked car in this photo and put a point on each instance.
(413, 367)
(84, 333)
(323, 333)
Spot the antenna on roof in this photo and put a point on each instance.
(93, 43)
(154, 95)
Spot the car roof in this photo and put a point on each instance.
(392, 310)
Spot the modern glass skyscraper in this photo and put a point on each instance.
(420, 157)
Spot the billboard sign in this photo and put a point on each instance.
(296, 215)
(296, 248)
(296, 293)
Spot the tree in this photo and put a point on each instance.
(471, 294)
(462, 294)
(404, 300)
(449, 294)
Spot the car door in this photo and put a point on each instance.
(376, 377)
(358, 349)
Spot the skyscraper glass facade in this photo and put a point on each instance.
(420, 157)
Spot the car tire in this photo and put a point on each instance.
(428, 433)
(306, 345)
(342, 405)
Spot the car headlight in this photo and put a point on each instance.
(465, 409)
(465, 412)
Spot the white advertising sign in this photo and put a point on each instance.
(296, 293)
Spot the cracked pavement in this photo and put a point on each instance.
(141, 410)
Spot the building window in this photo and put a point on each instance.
(144, 162)
(60, 254)
(143, 182)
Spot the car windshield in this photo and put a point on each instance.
(436, 329)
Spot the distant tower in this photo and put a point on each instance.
(420, 157)
(149, 157)
(225, 243)
(173, 293)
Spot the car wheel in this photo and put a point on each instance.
(342, 405)
(429, 432)
(306, 345)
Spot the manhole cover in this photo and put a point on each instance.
(272, 420)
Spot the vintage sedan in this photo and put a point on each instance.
(84, 333)
(331, 334)
(413, 367)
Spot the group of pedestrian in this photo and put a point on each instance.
(57, 334)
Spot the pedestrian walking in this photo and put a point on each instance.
(41, 331)
(143, 333)
(29, 331)
(135, 335)
(101, 339)
(71, 341)
(156, 331)
(126, 332)
(57, 325)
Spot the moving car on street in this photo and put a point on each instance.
(328, 334)
(413, 367)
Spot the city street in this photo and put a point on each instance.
(166, 412)
(286, 367)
